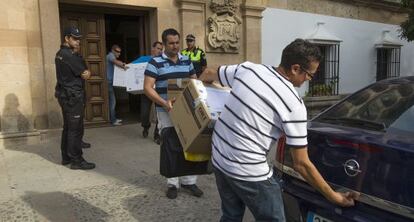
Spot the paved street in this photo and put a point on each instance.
(125, 186)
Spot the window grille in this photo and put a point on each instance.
(388, 63)
(326, 80)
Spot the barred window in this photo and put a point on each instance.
(325, 82)
(388, 63)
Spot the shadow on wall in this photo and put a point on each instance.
(12, 121)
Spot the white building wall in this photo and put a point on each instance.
(357, 66)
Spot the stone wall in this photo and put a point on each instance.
(22, 99)
(375, 11)
(30, 37)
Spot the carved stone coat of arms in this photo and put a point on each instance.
(224, 26)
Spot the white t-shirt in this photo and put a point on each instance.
(262, 106)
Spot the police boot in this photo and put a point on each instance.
(81, 164)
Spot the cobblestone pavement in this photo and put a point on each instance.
(142, 200)
(125, 186)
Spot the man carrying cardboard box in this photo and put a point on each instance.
(170, 65)
(146, 103)
(112, 61)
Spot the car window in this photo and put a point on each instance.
(405, 122)
(377, 107)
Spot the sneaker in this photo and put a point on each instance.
(85, 145)
(172, 192)
(145, 133)
(117, 123)
(82, 165)
(119, 120)
(193, 190)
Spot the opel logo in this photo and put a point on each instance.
(351, 168)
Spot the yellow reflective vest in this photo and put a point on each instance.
(197, 57)
(194, 55)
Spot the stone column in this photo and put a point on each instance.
(252, 29)
(50, 32)
(35, 58)
(192, 21)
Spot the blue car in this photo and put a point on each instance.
(364, 143)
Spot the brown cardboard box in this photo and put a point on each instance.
(176, 86)
(192, 116)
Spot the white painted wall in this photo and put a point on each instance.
(357, 66)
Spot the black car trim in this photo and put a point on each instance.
(364, 198)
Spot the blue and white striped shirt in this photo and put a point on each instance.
(162, 68)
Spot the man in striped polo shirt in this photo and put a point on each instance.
(170, 65)
(264, 105)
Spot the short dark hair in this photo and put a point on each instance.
(115, 46)
(300, 52)
(167, 32)
(156, 43)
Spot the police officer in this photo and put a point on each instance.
(76, 50)
(196, 55)
(70, 73)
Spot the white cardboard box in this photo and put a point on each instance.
(135, 78)
(119, 77)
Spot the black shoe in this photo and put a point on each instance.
(172, 192)
(193, 189)
(85, 145)
(145, 133)
(66, 161)
(157, 140)
(82, 165)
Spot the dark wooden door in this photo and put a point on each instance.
(92, 28)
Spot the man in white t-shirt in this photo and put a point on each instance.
(263, 106)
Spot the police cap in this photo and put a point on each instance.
(190, 37)
(72, 31)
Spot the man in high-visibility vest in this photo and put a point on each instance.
(196, 55)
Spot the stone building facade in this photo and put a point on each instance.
(30, 34)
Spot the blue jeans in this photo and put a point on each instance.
(263, 198)
(112, 103)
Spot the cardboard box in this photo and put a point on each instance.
(119, 77)
(176, 86)
(195, 111)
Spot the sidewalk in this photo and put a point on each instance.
(125, 186)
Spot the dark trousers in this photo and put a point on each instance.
(146, 113)
(72, 131)
(263, 198)
(83, 128)
(112, 103)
